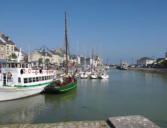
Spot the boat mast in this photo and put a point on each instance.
(66, 46)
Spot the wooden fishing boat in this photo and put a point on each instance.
(57, 87)
(68, 82)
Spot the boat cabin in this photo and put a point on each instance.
(13, 74)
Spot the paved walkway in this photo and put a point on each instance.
(112, 122)
(77, 124)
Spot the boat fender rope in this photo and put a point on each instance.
(36, 72)
(24, 71)
(9, 74)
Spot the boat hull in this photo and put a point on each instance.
(93, 77)
(63, 89)
(11, 93)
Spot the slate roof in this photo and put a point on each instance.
(6, 40)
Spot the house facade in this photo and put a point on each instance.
(145, 61)
(53, 57)
(6, 47)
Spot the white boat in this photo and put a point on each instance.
(19, 80)
(94, 76)
(88, 73)
(83, 75)
(103, 76)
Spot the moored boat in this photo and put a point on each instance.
(103, 76)
(58, 87)
(94, 76)
(83, 75)
(19, 80)
(68, 82)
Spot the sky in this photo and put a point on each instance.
(116, 30)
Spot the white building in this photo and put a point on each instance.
(145, 61)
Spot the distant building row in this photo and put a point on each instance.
(9, 51)
(146, 61)
(57, 57)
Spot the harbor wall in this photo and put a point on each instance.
(136, 121)
(152, 70)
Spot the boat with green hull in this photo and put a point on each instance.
(54, 88)
(68, 82)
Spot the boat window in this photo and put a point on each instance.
(43, 78)
(39, 79)
(36, 78)
(19, 80)
(33, 79)
(25, 80)
(30, 80)
(26, 65)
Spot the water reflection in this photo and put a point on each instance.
(22, 110)
(58, 107)
(125, 93)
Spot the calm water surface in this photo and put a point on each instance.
(125, 93)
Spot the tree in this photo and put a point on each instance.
(13, 56)
(47, 60)
(40, 61)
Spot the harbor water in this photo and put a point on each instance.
(125, 93)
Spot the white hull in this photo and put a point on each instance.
(104, 76)
(11, 93)
(84, 76)
(93, 76)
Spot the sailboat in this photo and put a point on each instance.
(94, 74)
(68, 82)
(103, 75)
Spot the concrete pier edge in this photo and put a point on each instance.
(135, 121)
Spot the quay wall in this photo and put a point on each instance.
(136, 121)
(152, 70)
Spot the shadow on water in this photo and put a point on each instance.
(36, 109)
(21, 110)
(58, 107)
